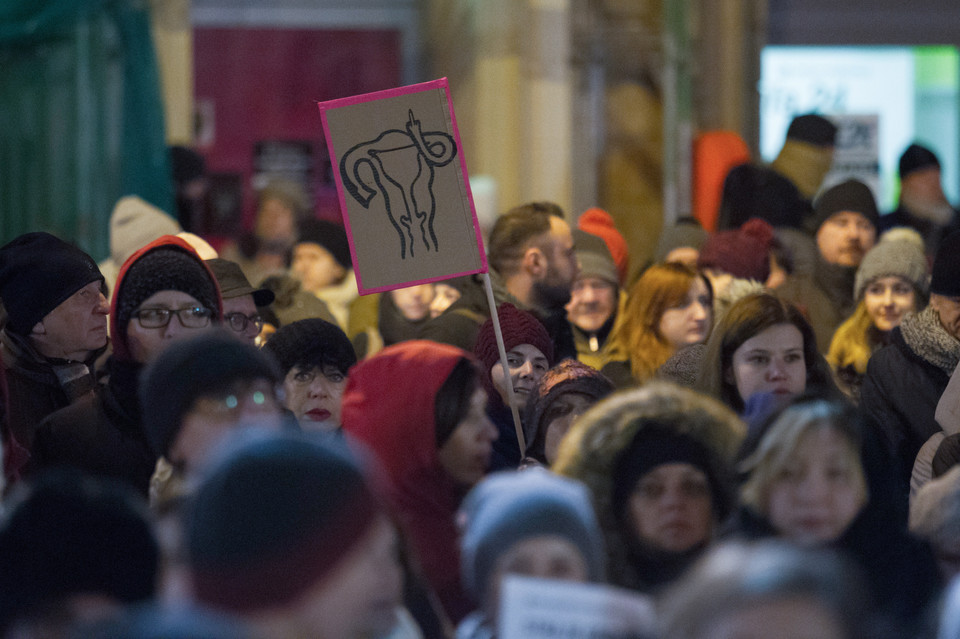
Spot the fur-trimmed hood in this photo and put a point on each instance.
(590, 450)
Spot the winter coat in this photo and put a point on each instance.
(900, 570)
(904, 382)
(388, 408)
(101, 434)
(37, 386)
(591, 448)
(825, 298)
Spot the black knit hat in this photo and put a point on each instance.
(946, 267)
(850, 195)
(66, 534)
(311, 343)
(208, 364)
(917, 157)
(38, 272)
(161, 269)
(654, 446)
(812, 128)
(329, 235)
(273, 520)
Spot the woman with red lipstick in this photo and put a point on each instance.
(815, 479)
(669, 307)
(764, 347)
(657, 462)
(418, 407)
(893, 280)
(315, 357)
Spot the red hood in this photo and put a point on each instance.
(119, 341)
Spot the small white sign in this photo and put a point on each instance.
(550, 609)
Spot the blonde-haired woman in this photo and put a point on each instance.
(816, 479)
(669, 307)
(892, 280)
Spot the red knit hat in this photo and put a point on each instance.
(743, 253)
(518, 327)
(600, 223)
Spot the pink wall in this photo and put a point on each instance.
(265, 83)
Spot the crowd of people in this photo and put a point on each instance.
(757, 433)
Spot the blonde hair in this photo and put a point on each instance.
(781, 440)
(660, 288)
(851, 344)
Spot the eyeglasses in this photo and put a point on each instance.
(250, 398)
(192, 317)
(239, 322)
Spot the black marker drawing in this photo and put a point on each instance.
(402, 163)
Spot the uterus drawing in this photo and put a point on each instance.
(402, 165)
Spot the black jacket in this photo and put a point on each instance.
(101, 434)
(899, 396)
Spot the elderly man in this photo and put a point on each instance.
(923, 205)
(905, 379)
(594, 303)
(56, 327)
(531, 250)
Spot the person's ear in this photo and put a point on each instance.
(535, 262)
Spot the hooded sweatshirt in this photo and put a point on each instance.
(389, 408)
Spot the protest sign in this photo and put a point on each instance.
(403, 186)
(551, 609)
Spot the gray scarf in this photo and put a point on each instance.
(926, 337)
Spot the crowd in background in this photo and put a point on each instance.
(758, 432)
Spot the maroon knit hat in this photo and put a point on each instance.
(518, 327)
(274, 519)
(743, 253)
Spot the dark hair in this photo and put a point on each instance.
(511, 235)
(452, 401)
(747, 318)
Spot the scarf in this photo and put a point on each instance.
(926, 337)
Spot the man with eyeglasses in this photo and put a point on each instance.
(164, 293)
(241, 302)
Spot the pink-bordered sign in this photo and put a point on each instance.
(403, 186)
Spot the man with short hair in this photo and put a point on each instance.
(905, 379)
(56, 327)
(531, 249)
(241, 302)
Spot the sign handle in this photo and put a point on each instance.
(503, 362)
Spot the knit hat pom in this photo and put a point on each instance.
(759, 230)
(600, 223)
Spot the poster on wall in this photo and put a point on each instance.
(403, 186)
(856, 154)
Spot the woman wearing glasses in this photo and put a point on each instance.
(164, 292)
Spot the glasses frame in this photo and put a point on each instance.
(245, 321)
(168, 314)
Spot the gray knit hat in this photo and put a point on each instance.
(595, 258)
(893, 257)
(508, 507)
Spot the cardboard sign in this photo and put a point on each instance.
(549, 609)
(403, 186)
